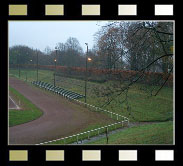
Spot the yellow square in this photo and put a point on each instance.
(15, 10)
(91, 155)
(90, 9)
(55, 155)
(127, 9)
(18, 155)
(127, 155)
(54, 10)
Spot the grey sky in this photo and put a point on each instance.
(39, 34)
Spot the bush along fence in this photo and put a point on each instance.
(95, 74)
(122, 121)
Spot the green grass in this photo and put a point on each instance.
(159, 133)
(142, 107)
(28, 112)
(44, 75)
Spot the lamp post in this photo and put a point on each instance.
(55, 60)
(26, 68)
(55, 70)
(30, 64)
(37, 64)
(86, 72)
(18, 65)
(56, 49)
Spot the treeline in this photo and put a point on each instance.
(134, 45)
(66, 54)
(118, 45)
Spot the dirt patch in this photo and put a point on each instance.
(61, 117)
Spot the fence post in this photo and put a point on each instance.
(77, 139)
(107, 135)
(88, 135)
(111, 114)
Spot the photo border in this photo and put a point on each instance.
(146, 153)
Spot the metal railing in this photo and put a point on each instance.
(122, 121)
(88, 133)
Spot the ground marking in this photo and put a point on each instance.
(17, 107)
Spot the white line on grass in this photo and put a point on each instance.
(17, 107)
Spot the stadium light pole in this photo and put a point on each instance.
(37, 63)
(18, 64)
(55, 71)
(55, 60)
(26, 68)
(86, 72)
(30, 63)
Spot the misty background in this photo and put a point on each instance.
(41, 34)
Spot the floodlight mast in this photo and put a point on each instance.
(55, 60)
(37, 63)
(86, 72)
(18, 64)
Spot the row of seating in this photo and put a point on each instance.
(57, 90)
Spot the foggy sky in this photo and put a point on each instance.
(39, 34)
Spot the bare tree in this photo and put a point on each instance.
(146, 45)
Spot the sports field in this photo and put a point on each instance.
(13, 104)
(143, 108)
(60, 117)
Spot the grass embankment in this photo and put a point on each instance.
(142, 107)
(28, 110)
(44, 75)
(159, 133)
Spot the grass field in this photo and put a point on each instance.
(143, 109)
(159, 133)
(27, 113)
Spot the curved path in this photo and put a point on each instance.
(61, 117)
